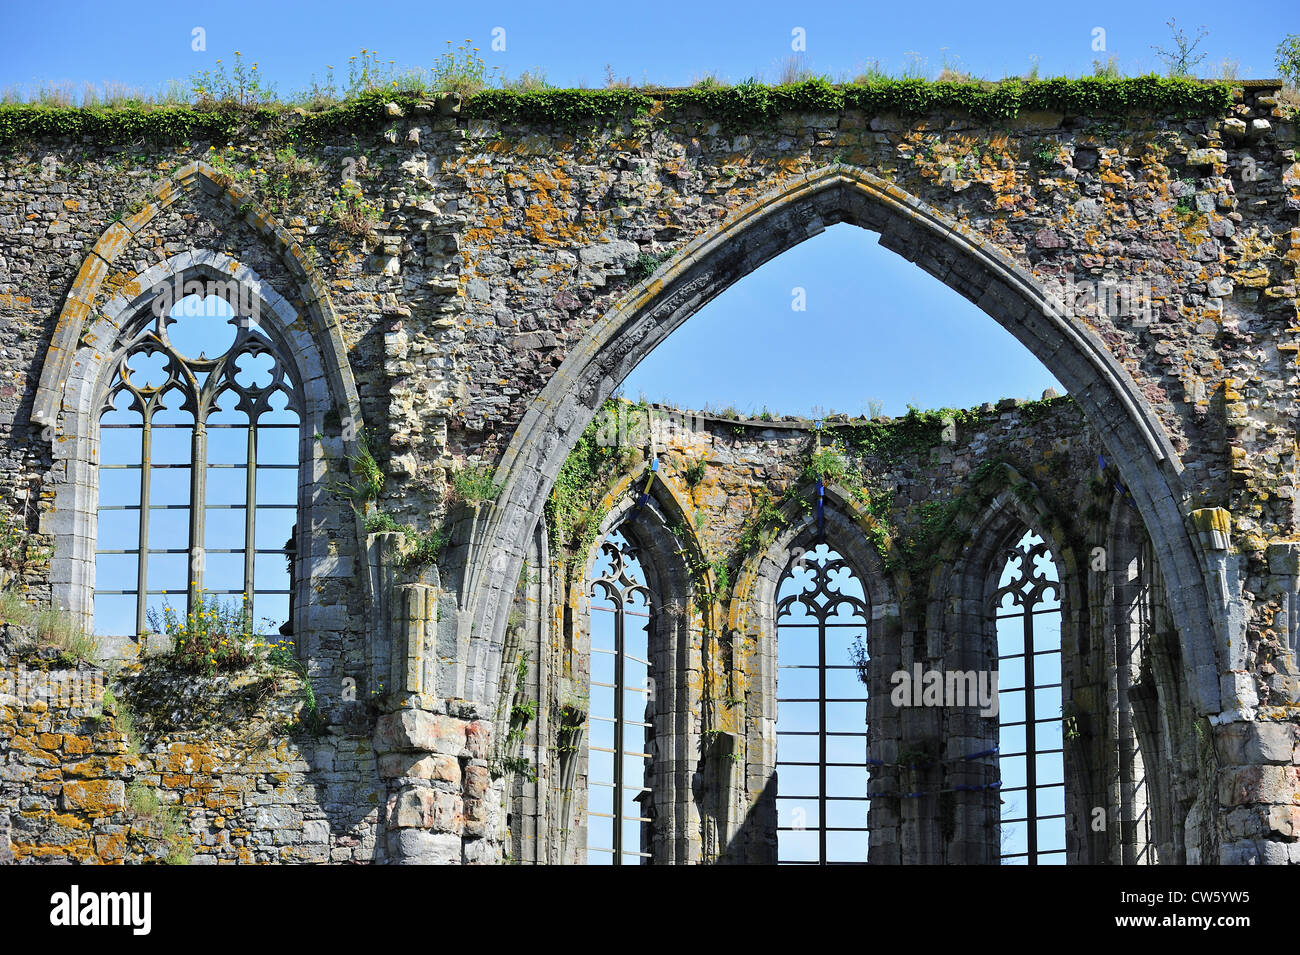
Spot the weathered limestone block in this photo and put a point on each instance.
(1240, 744)
(99, 797)
(1242, 785)
(423, 847)
(440, 768)
(420, 731)
(420, 807)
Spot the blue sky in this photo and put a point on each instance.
(666, 42)
(875, 329)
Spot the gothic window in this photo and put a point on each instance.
(1139, 602)
(198, 470)
(1137, 795)
(1027, 614)
(618, 827)
(821, 729)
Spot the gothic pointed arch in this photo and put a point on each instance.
(799, 533)
(1153, 739)
(649, 526)
(964, 630)
(772, 223)
(87, 304)
(100, 321)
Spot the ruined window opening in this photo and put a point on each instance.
(1027, 615)
(620, 734)
(1135, 685)
(198, 470)
(821, 729)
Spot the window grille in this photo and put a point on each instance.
(1027, 614)
(198, 471)
(821, 729)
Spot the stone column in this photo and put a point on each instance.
(1255, 745)
(1257, 793)
(443, 804)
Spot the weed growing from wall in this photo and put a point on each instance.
(225, 109)
(573, 513)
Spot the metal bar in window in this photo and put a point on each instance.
(198, 494)
(250, 512)
(166, 467)
(142, 570)
(831, 699)
(264, 467)
(282, 425)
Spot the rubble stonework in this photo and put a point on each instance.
(455, 291)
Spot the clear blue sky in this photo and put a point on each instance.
(665, 42)
(875, 328)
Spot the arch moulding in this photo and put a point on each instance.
(89, 337)
(969, 263)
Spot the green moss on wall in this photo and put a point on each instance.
(748, 104)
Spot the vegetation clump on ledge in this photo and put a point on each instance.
(748, 103)
(756, 103)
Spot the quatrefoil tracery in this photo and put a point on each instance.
(821, 595)
(201, 381)
(1028, 561)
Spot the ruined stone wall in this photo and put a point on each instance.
(474, 287)
(917, 501)
(173, 766)
(254, 785)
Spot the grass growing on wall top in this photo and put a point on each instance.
(746, 104)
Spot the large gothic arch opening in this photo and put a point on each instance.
(968, 263)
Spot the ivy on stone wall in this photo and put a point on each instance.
(573, 513)
(919, 431)
(937, 522)
(116, 125)
(744, 105)
(753, 103)
(568, 108)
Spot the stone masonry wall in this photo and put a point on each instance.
(468, 264)
(243, 783)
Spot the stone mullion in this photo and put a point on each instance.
(1115, 601)
(619, 687)
(966, 648)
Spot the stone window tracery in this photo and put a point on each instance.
(821, 729)
(198, 470)
(1026, 607)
